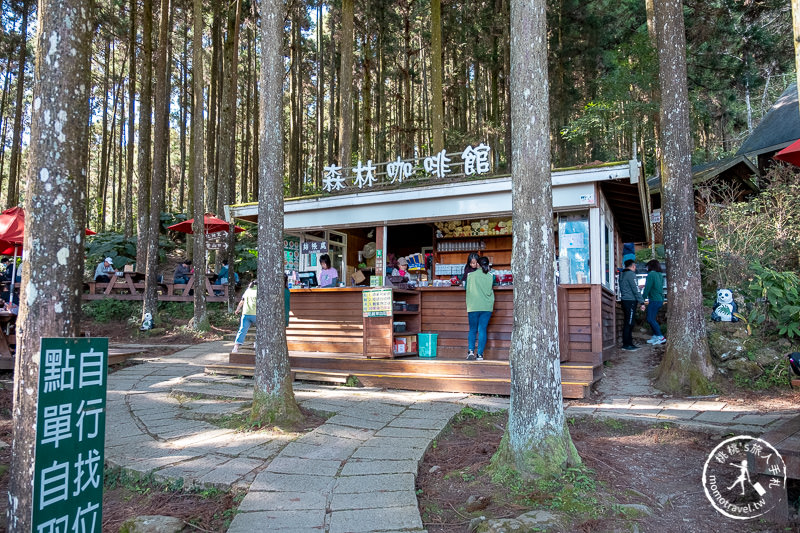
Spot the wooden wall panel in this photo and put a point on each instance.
(444, 311)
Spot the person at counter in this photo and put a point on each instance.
(328, 277)
(480, 305)
(470, 266)
(402, 268)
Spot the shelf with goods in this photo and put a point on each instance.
(450, 253)
(406, 309)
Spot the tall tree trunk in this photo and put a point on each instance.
(256, 134)
(247, 119)
(119, 165)
(332, 155)
(200, 322)
(380, 108)
(160, 136)
(437, 104)
(295, 105)
(184, 111)
(104, 147)
(273, 397)
(346, 85)
(144, 165)
(655, 96)
(16, 144)
(320, 107)
(213, 103)
(536, 442)
(4, 126)
(686, 366)
(796, 32)
(227, 153)
(54, 237)
(366, 151)
(131, 124)
(407, 146)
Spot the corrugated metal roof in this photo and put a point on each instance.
(778, 128)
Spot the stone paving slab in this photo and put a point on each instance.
(294, 465)
(335, 430)
(272, 482)
(417, 423)
(362, 467)
(305, 521)
(283, 501)
(373, 483)
(398, 441)
(355, 422)
(366, 520)
(311, 451)
(429, 434)
(716, 417)
(226, 474)
(375, 500)
(388, 453)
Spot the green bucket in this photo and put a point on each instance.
(427, 344)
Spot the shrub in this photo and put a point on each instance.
(109, 309)
(776, 299)
(764, 229)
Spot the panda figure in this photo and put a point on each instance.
(724, 307)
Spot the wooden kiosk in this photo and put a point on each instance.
(596, 209)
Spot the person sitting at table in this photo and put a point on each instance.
(328, 277)
(104, 271)
(183, 272)
(11, 307)
(5, 266)
(223, 275)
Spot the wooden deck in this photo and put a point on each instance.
(328, 341)
(409, 373)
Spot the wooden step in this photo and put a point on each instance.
(580, 372)
(406, 380)
(595, 358)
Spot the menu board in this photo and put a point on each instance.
(377, 302)
(291, 247)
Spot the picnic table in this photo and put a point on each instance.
(180, 292)
(7, 339)
(125, 286)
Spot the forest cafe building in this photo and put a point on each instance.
(434, 212)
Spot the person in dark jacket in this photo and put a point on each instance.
(630, 296)
(470, 266)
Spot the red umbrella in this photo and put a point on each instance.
(90, 232)
(790, 154)
(12, 225)
(211, 224)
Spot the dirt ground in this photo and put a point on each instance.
(655, 465)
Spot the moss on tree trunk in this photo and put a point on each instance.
(277, 409)
(547, 458)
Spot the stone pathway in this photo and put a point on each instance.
(355, 472)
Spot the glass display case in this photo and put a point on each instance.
(573, 248)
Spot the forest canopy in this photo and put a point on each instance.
(602, 69)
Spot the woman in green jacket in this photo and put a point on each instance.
(654, 293)
(480, 304)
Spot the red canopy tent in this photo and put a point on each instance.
(12, 234)
(790, 154)
(211, 224)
